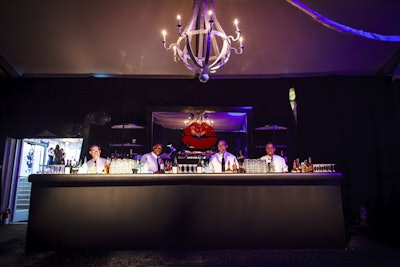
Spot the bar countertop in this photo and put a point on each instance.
(185, 211)
(191, 179)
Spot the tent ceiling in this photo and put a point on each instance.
(123, 37)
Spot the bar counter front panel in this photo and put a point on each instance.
(185, 211)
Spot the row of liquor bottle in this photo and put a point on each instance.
(304, 166)
(121, 166)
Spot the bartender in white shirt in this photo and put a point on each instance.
(220, 161)
(278, 163)
(153, 158)
(96, 163)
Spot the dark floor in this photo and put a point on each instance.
(362, 250)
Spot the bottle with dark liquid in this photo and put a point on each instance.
(162, 166)
(168, 166)
(235, 168)
(311, 165)
(229, 167)
(294, 168)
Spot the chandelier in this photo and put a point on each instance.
(202, 46)
(198, 118)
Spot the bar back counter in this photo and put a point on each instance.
(185, 211)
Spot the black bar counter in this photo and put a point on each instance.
(185, 211)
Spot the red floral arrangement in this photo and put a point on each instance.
(199, 135)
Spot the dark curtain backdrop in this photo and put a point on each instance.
(350, 121)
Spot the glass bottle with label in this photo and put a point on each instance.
(229, 167)
(200, 166)
(272, 166)
(67, 168)
(175, 165)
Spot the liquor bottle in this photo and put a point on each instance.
(200, 166)
(235, 168)
(84, 167)
(298, 169)
(166, 166)
(74, 167)
(310, 165)
(107, 166)
(206, 165)
(272, 166)
(175, 165)
(162, 166)
(93, 170)
(268, 161)
(67, 168)
(294, 169)
(229, 167)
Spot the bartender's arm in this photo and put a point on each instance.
(143, 159)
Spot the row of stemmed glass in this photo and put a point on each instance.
(327, 167)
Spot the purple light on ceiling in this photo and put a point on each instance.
(333, 25)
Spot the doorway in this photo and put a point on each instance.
(24, 157)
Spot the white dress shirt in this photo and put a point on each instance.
(152, 160)
(216, 161)
(279, 163)
(99, 164)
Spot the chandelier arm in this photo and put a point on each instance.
(234, 39)
(193, 19)
(215, 45)
(200, 38)
(207, 50)
(186, 63)
(237, 51)
(217, 25)
(169, 47)
(205, 27)
(226, 45)
(178, 48)
(224, 53)
(191, 66)
(190, 52)
(221, 63)
(185, 56)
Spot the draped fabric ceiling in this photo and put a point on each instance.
(221, 121)
(85, 37)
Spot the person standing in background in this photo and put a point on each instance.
(96, 164)
(50, 155)
(153, 158)
(57, 155)
(277, 163)
(223, 160)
